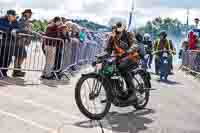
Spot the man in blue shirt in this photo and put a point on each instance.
(9, 27)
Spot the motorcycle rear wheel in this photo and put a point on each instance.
(141, 89)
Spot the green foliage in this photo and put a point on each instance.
(41, 26)
(171, 26)
(90, 25)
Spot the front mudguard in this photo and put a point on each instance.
(106, 83)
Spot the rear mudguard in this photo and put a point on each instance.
(146, 76)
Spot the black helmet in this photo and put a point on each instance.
(163, 33)
(11, 12)
(139, 37)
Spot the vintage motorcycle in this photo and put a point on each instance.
(106, 86)
(164, 63)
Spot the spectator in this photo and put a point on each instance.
(53, 48)
(20, 50)
(75, 43)
(82, 35)
(184, 47)
(9, 25)
(192, 40)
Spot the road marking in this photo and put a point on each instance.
(47, 108)
(35, 124)
(35, 104)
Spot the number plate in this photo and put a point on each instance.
(165, 54)
(165, 62)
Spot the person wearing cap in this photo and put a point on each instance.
(20, 50)
(161, 44)
(123, 44)
(9, 22)
(9, 25)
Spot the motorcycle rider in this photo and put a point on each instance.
(161, 44)
(148, 44)
(120, 43)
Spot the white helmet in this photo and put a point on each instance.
(147, 37)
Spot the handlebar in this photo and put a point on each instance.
(158, 51)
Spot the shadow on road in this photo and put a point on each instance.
(169, 82)
(22, 82)
(132, 122)
(87, 124)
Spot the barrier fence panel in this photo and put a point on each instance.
(191, 60)
(24, 52)
(30, 53)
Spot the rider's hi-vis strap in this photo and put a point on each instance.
(158, 45)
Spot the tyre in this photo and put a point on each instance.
(142, 91)
(96, 89)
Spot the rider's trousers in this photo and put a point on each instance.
(125, 68)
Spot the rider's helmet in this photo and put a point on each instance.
(120, 27)
(147, 37)
(139, 37)
(163, 33)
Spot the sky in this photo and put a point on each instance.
(101, 11)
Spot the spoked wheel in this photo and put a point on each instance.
(142, 92)
(91, 97)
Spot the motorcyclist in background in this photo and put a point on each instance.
(120, 43)
(148, 47)
(141, 49)
(161, 44)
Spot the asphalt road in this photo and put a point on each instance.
(32, 106)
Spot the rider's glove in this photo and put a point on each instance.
(134, 47)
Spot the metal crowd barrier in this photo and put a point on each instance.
(56, 56)
(191, 60)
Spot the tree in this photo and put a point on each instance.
(172, 26)
(114, 20)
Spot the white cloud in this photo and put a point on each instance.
(102, 10)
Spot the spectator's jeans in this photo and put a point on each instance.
(67, 54)
(20, 52)
(6, 53)
(85, 51)
(75, 50)
(50, 53)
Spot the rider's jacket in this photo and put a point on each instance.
(164, 44)
(148, 45)
(122, 45)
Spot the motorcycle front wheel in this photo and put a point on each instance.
(92, 97)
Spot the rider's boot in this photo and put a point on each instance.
(131, 88)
